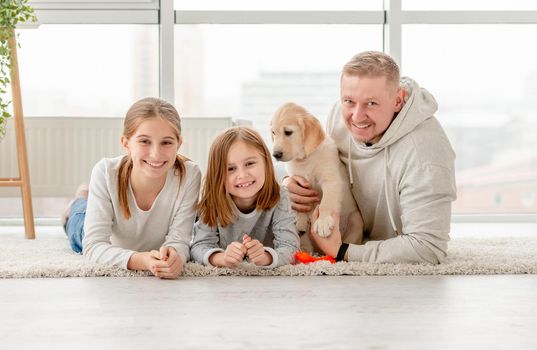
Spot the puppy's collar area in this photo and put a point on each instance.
(300, 159)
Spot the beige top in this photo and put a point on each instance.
(112, 239)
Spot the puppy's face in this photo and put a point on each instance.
(295, 133)
(287, 138)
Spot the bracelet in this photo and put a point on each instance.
(341, 252)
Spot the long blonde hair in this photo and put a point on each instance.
(215, 206)
(141, 111)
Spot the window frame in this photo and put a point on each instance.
(163, 14)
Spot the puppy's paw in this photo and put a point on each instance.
(324, 224)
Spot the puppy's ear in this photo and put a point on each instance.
(313, 133)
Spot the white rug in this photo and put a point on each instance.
(50, 256)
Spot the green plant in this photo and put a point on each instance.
(12, 12)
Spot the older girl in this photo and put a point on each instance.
(141, 206)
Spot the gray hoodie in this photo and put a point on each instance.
(403, 185)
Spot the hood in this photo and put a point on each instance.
(419, 106)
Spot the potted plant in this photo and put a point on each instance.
(12, 12)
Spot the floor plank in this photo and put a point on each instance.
(426, 312)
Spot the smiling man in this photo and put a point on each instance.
(400, 163)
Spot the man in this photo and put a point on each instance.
(400, 163)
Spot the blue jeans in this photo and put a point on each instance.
(75, 224)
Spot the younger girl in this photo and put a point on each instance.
(244, 214)
(141, 206)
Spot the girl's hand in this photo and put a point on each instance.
(329, 245)
(256, 252)
(144, 261)
(171, 264)
(234, 254)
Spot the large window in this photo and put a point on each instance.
(485, 80)
(87, 70)
(248, 71)
(243, 59)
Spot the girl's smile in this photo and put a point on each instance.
(153, 148)
(245, 175)
(247, 184)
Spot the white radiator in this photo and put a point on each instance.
(63, 150)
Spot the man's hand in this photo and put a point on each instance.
(256, 252)
(303, 197)
(329, 245)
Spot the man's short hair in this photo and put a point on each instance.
(373, 64)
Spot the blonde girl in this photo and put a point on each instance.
(141, 206)
(244, 213)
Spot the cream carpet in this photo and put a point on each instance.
(50, 256)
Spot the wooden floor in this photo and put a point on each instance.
(428, 312)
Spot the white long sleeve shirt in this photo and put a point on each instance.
(112, 239)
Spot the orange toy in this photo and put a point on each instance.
(305, 258)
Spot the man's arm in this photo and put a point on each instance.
(425, 216)
(426, 219)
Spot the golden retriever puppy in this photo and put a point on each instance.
(299, 140)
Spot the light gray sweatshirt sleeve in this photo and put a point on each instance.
(97, 246)
(286, 241)
(204, 243)
(180, 232)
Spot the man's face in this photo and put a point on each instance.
(369, 105)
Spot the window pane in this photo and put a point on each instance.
(484, 78)
(281, 5)
(469, 5)
(248, 71)
(87, 70)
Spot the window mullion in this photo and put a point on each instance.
(392, 36)
(166, 51)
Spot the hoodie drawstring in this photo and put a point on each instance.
(351, 178)
(386, 190)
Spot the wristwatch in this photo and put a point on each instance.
(341, 252)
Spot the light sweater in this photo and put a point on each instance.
(274, 228)
(403, 185)
(112, 239)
